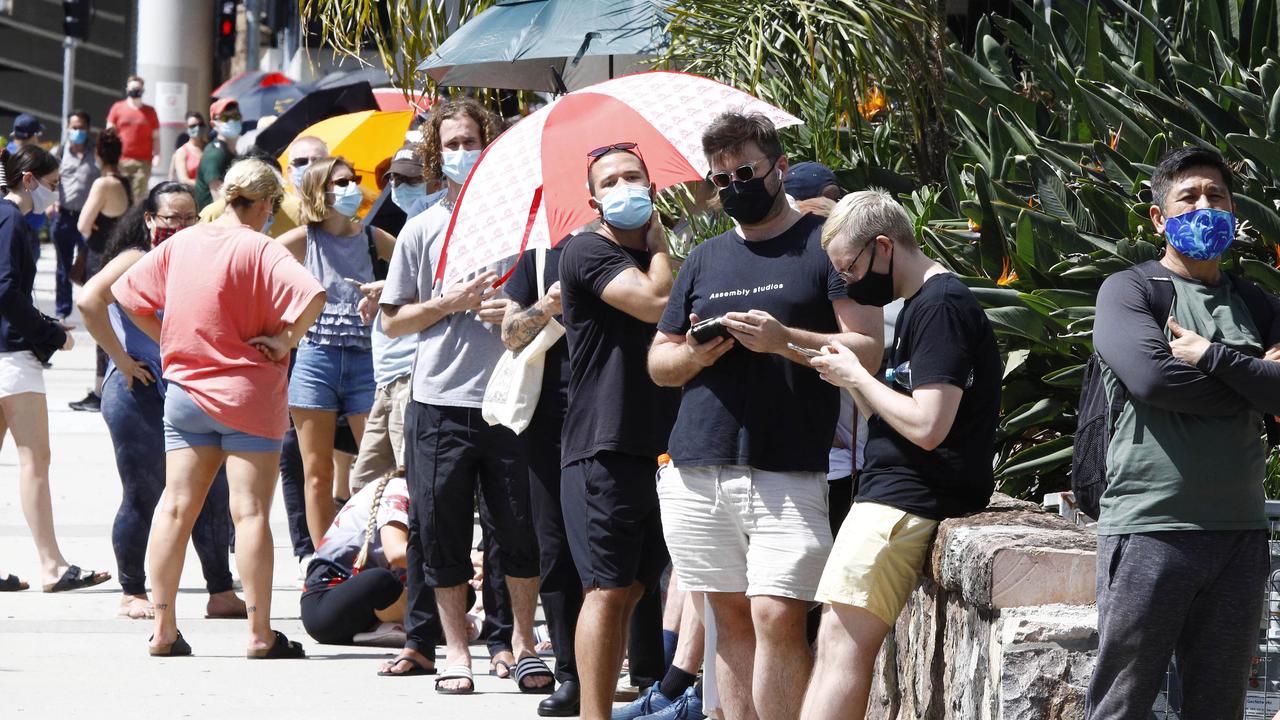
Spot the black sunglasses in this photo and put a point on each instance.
(343, 182)
(743, 173)
(602, 151)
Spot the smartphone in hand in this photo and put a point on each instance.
(804, 350)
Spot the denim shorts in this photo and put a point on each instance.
(186, 425)
(338, 379)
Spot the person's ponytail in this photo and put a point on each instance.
(5, 159)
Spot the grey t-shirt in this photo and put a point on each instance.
(456, 355)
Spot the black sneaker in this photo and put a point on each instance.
(91, 403)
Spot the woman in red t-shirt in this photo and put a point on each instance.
(234, 303)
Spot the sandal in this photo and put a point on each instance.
(456, 672)
(12, 584)
(416, 668)
(495, 663)
(283, 649)
(75, 579)
(177, 648)
(531, 666)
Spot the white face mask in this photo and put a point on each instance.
(457, 164)
(42, 198)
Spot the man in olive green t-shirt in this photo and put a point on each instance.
(1182, 537)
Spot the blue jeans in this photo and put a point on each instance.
(135, 419)
(66, 239)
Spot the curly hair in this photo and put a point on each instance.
(430, 148)
(315, 185)
(109, 147)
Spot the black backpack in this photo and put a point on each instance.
(1096, 413)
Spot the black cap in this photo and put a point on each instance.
(808, 179)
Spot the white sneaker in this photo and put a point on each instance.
(385, 635)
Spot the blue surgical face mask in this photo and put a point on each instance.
(295, 175)
(405, 196)
(346, 200)
(266, 227)
(78, 137)
(1201, 234)
(456, 164)
(626, 206)
(229, 129)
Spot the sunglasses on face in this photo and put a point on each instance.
(399, 180)
(342, 182)
(228, 117)
(195, 127)
(743, 173)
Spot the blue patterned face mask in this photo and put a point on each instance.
(1201, 234)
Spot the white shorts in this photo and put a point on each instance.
(734, 528)
(20, 372)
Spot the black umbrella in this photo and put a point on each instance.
(316, 106)
(375, 76)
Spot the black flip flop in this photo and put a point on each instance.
(531, 666)
(75, 579)
(177, 648)
(12, 584)
(495, 664)
(283, 649)
(416, 668)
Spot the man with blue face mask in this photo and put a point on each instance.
(218, 154)
(1186, 349)
(78, 170)
(614, 284)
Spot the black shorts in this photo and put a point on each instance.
(610, 504)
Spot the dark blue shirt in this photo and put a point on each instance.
(749, 408)
(22, 326)
(523, 288)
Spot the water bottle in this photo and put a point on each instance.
(902, 376)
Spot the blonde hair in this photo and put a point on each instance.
(248, 181)
(315, 183)
(865, 215)
(372, 526)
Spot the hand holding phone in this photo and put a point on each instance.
(803, 350)
(709, 329)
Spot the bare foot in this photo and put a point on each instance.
(502, 663)
(456, 683)
(535, 681)
(400, 667)
(544, 647)
(225, 605)
(136, 607)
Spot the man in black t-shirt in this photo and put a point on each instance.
(614, 285)
(534, 291)
(929, 438)
(744, 498)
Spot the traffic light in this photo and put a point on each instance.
(225, 30)
(75, 18)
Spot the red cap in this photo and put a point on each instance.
(220, 105)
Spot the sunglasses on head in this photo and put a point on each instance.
(742, 174)
(601, 151)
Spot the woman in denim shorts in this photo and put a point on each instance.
(333, 372)
(234, 303)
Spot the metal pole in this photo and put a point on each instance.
(68, 79)
(253, 32)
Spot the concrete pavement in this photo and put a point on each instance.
(65, 655)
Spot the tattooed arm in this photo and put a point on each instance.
(521, 325)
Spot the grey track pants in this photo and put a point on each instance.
(1197, 593)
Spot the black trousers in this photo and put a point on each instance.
(450, 453)
(334, 615)
(499, 620)
(560, 587)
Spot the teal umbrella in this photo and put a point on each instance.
(550, 45)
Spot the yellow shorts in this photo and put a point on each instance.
(876, 560)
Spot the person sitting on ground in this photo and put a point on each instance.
(133, 408)
(234, 304)
(355, 582)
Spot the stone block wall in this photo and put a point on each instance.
(1001, 628)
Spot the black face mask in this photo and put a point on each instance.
(749, 202)
(134, 92)
(874, 289)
